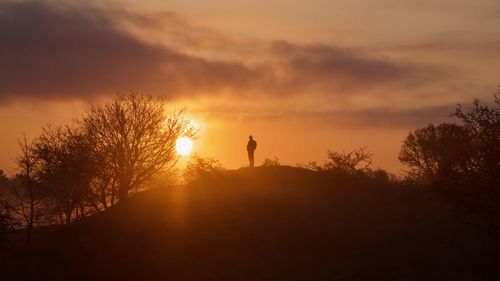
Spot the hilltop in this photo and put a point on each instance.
(266, 223)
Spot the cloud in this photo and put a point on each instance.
(343, 117)
(77, 52)
(49, 51)
(389, 117)
(453, 43)
(342, 70)
(372, 118)
(171, 29)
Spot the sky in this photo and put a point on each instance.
(302, 77)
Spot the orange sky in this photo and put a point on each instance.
(301, 76)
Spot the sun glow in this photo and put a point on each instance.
(184, 146)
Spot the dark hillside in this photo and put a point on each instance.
(275, 223)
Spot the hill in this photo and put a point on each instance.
(266, 223)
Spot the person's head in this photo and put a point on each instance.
(250, 137)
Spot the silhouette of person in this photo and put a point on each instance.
(251, 147)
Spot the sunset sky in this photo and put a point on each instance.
(302, 77)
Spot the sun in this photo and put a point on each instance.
(184, 146)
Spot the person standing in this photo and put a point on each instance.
(251, 147)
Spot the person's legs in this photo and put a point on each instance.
(250, 158)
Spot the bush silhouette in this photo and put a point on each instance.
(271, 162)
(199, 166)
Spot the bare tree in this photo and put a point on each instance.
(65, 170)
(24, 198)
(103, 188)
(134, 138)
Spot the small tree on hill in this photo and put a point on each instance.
(200, 166)
(271, 162)
(358, 160)
(354, 162)
(432, 149)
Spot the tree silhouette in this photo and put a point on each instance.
(358, 160)
(271, 162)
(134, 137)
(462, 162)
(355, 162)
(6, 219)
(434, 149)
(24, 197)
(199, 166)
(65, 169)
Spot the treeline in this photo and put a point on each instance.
(71, 171)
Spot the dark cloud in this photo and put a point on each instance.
(334, 68)
(389, 117)
(77, 52)
(62, 51)
(455, 42)
(374, 118)
(378, 117)
(68, 51)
